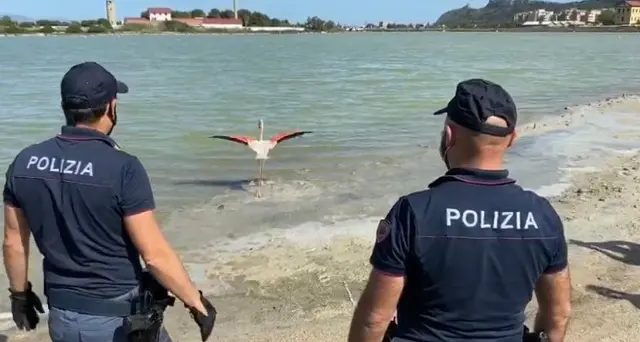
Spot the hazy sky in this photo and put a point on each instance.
(344, 11)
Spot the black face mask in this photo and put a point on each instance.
(113, 117)
(443, 150)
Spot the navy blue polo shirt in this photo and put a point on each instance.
(74, 191)
(471, 248)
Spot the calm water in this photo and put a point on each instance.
(367, 97)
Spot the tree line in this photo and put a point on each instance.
(50, 26)
(253, 18)
(249, 18)
(6, 21)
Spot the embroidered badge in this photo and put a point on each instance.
(384, 228)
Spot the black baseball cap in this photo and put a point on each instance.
(475, 101)
(88, 85)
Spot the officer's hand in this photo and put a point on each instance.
(207, 322)
(23, 308)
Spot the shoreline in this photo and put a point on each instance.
(288, 289)
(533, 29)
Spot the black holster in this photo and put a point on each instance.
(390, 332)
(146, 323)
(529, 336)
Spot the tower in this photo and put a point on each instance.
(235, 9)
(111, 13)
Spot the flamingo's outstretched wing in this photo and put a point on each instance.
(234, 138)
(288, 135)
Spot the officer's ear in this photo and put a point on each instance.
(450, 135)
(512, 138)
(111, 106)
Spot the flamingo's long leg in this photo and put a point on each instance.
(260, 179)
(260, 182)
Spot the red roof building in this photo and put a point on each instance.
(136, 21)
(189, 21)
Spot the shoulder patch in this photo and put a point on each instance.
(383, 231)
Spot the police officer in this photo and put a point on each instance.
(461, 259)
(90, 207)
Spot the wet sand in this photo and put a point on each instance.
(300, 290)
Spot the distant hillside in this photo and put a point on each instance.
(498, 12)
(18, 18)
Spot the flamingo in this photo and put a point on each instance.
(261, 147)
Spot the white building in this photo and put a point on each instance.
(159, 14)
(223, 24)
(592, 16)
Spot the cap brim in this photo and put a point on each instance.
(122, 88)
(441, 111)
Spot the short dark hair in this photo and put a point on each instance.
(74, 115)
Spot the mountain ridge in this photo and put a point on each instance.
(498, 12)
(16, 17)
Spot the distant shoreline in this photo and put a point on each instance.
(533, 29)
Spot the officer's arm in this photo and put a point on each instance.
(553, 292)
(15, 248)
(380, 297)
(137, 204)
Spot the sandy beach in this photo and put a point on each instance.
(601, 218)
(310, 297)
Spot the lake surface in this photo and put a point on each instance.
(367, 97)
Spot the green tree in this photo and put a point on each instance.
(245, 15)
(74, 28)
(330, 26)
(197, 13)
(227, 14)
(6, 21)
(89, 23)
(47, 30)
(214, 13)
(46, 22)
(134, 27)
(14, 29)
(144, 14)
(104, 23)
(317, 24)
(176, 26)
(607, 18)
(180, 14)
(97, 29)
(259, 19)
(26, 24)
(275, 22)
